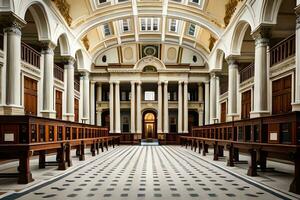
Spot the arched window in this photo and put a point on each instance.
(149, 69)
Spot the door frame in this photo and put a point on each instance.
(155, 125)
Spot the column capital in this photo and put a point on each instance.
(180, 82)
(12, 23)
(139, 82)
(84, 75)
(166, 82)
(261, 35)
(69, 60)
(159, 82)
(232, 61)
(48, 47)
(117, 82)
(132, 82)
(185, 82)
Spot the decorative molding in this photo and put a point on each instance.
(64, 9)
(230, 9)
(86, 42)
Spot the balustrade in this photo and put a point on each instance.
(283, 50)
(30, 55)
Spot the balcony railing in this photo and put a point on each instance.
(58, 72)
(77, 85)
(247, 73)
(283, 50)
(30, 55)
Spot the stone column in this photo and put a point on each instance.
(99, 99)
(111, 107)
(261, 37)
(185, 107)
(12, 70)
(296, 104)
(180, 119)
(232, 88)
(159, 103)
(132, 107)
(86, 98)
(201, 101)
(117, 108)
(212, 103)
(139, 110)
(48, 84)
(92, 103)
(166, 108)
(69, 69)
(206, 103)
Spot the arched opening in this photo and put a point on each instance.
(149, 125)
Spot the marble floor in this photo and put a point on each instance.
(149, 172)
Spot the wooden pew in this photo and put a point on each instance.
(273, 136)
(24, 136)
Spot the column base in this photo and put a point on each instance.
(296, 106)
(255, 114)
(84, 120)
(49, 114)
(11, 110)
(69, 117)
(185, 132)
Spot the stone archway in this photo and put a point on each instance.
(149, 125)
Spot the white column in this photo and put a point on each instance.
(13, 69)
(69, 68)
(48, 85)
(180, 119)
(132, 108)
(201, 101)
(212, 98)
(99, 99)
(86, 98)
(206, 103)
(117, 108)
(296, 104)
(185, 107)
(166, 108)
(218, 107)
(92, 103)
(232, 87)
(138, 110)
(260, 73)
(111, 107)
(159, 102)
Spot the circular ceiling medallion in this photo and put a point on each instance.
(149, 51)
(128, 53)
(171, 55)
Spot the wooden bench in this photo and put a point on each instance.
(276, 136)
(24, 136)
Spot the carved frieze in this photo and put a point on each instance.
(230, 9)
(64, 8)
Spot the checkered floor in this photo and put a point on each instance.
(148, 172)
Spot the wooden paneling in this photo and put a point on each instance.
(246, 104)
(58, 104)
(281, 95)
(76, 110)
(30, 96)
(223, 112)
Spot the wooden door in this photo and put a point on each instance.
(281, 95)
(246, 104)
(223, 112)
(76, 110)
(30, 96)
(58, 104)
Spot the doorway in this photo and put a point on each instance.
(149, 125)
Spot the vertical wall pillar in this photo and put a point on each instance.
(185, 107)
(86, 98)
(69, 68)
(99, 99)
(138, 110)
(232, 88)
(117, 108)
(166, 108)
(48, 84)
(111, 107)
(13, 67)
(296, 104)
(213, 99)
(206, 103)
(159, 102)
(132, 107)
(261, 37)
(92, 103)
(180, 122)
